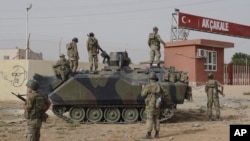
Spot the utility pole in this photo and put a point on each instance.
(27, 31)
(60, 44)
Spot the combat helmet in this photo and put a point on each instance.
(75, 40)
(155, 28)
(210, 76)
(91, 34)
(62, 55)
(33, 84)
(153, 76)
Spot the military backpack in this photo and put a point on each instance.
(40, 104)
(213, 85)
(68, 46)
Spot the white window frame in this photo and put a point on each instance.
(211, 61)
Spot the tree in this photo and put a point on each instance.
(240, 59)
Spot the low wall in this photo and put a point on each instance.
(14, 74)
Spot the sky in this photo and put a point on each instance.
(118, 25)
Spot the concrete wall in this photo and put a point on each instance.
(14, 74)
(13, 77)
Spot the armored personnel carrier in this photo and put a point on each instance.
(112, 94)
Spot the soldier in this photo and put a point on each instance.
(153, 94)
(211, 88)
(73, 54)
(61, 68)
(93, 50)
(35, 108)
(154, 41)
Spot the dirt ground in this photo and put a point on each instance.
(188, 124)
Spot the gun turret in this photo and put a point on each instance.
(119, 59)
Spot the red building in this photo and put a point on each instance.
(198, 58)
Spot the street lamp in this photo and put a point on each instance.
(27, 40)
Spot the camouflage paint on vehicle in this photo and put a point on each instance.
(112, 94)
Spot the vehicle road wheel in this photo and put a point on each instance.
(76, 114)
(112, 115)
(143, 114)
(94, 114)
(130, 114)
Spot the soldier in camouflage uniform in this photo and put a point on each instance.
(61, 68)
(211, 88)
(154, 41)
(73, 54)
(93, 50)
(153, 94)
(33, 114)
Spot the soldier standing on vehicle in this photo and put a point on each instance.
(35, 107)
(154, 41)
(211, 88)
(93, 50)
(61, 68)
(73, 54)
(153, 94)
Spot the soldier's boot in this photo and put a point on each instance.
(148, 135)
(91, 68)
(158, 65)
(218, 118)
(157, 134)
(150, 64)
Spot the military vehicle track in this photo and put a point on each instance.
(96, 115)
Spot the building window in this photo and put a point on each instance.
(211, 61)
(6, 57)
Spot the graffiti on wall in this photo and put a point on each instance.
(17, 76)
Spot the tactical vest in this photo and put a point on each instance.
(68, 46)
(72, 50)
(64, 64)
(39, 106)
(93, 45)
(153, 40)
(153, 96)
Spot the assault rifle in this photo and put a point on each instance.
(19, 96)
(221, 93)
(104, 55)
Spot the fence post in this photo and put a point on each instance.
(230, 73)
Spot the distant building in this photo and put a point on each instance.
(18, 54)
